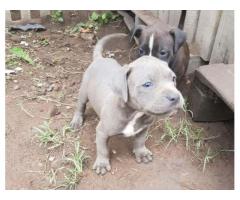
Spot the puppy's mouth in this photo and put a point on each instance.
(167, 113)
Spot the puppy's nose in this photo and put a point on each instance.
(173, 97)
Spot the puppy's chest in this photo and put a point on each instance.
(136, 124)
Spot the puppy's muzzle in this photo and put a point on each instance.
(173, 97)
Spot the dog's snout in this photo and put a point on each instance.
(173, 97)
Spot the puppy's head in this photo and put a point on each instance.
(150, 86)
(162, 44)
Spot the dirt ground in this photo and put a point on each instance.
(57, 78)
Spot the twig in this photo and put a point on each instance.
(69, 72)
(211, 138)
(55, 101)
(32, 171)
(24, 110)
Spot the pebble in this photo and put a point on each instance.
(114, 151)
(54, 111)
(51, 158)
(56, 87)
(50, 88)
(15, 81)
(39, 85)
(16, 87)
(24, 43)
(72, 83)
(42, 91)
(68, 107)
(18, 69)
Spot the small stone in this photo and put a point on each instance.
(56, 87)
(40, 164)
(39, 85)
(51, 158)
(50, 88)
(16, 87)
(24, 43)
(68, 107)
(15, 81)
(18, 69)
(54, 111)
(41, 91)
(114, 151)
(72, 83)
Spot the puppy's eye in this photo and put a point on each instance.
(147, 84)
(163, 53)
(174, 78)
(141, 51)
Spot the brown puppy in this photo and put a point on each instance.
(166, 43)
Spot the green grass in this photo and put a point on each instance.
(193, 136)
(66, 129)
(44, 42)
(47, 136)
(95, 21)
(73, 164)
(11, 62)
(103, 18)
(170, 132)
(209, 156)
(21, 54)
(57, 16)
(77, 160)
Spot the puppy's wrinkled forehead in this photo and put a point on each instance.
(150, 66)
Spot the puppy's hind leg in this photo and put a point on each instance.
(77, 120)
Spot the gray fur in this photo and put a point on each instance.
(117, 95)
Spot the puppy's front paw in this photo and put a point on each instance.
(143, 155)
(76, 122)
(101, 166)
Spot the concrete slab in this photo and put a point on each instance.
(220, 79)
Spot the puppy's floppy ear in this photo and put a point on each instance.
(124, 84)
(179, 37)
(137, 31)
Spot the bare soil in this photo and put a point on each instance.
(62, 63)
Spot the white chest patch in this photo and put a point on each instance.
(150, 44)
(129, 129)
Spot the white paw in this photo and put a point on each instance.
(143, 155)
(76, 122)
(101, 166)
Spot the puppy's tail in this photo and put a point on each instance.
(97, 53)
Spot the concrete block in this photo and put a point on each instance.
(206, 105)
